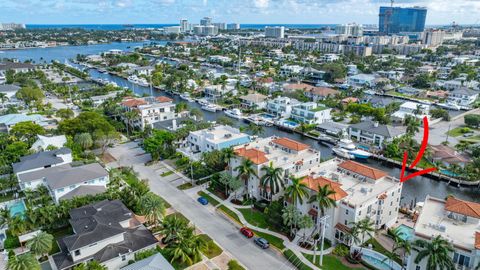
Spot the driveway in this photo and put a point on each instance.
(205, 218)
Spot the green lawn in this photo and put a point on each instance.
(185, 186)
(459, 131)
(291, 257)
(212, 250)
(176, 264)
(273, 240)
(255, 218)
(179, 216)
(167, 173)
(229, 212)
(330, 262)
(209, 198)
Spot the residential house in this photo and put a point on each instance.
(360, 192)
(215, 92)
(44, 142)
(411, 91)
(7, 121)
(456, 221)
(447, 156)
(154, 262)
(107, 232)
(16, 66)
(320, 93)
(290, 70)
(99, 100)
(149, 110)
(281, 106)
(312, 75)
(311, 113)
(362, 80)
(42, 160)
(253, 101)
(66, 182)
(373, 133)
(10, 91)
(334, 129)
(463, 96)
(377, 101)
(146, 71)
(413, 109)
(285, 153)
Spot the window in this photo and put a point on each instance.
(60, 190)
(346, 223)
(359, 213)
(417, 267)
(346, 212)
(124, 257)
(77, 252)
(461, 259)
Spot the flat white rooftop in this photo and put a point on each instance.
(219, 134)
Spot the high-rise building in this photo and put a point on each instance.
(393, 20)
(220, 26)
(233, 26)
(275, 32)
(433, 37)
(208, 30)
(351, 30)
(206, 21)
(184, 25)
(11, 26)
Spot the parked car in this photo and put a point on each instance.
(261, 242)
(247, 232)
(202, 200)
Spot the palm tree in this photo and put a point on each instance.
(272, 178)
(352, 236)
(129, 116)
(227, 154)
(41, 244)
(24, 261)
(364, 227)
(152, 207)
(437, 251)
(255, 130)
(245, 170)
(412, 125)
(84, 140)
(297, 190)
(171, 227)
(324, 199)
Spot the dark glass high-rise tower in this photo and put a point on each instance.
(394, 20)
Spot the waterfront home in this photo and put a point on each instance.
(410, 91)
(312, 75)
(214, 138)
(149, 110)
(285, 153)
(320, 93)
(413, 109)
(253, 101)
(16, 66)
(447, 156)
(394, 75)
(457, 84)
(9, 120)
(42, 160)
(146, 71)
(455, 220)
(311, 113)
(335, 129)
(377, 101)
(44, 142)
(360, 192)
(462, 96)
(215, 92)
(107, 232)
(66, 182)
(281, 106)
(10, 91)
(373, 133)
(99, 100)
(290, 70)
(362, 80)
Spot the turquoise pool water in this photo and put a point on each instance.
(407, 232)
(290, 123)
(448, 173)
(378, 264)
(17, 208)
(266, 115)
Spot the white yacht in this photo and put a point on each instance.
(186, 96)
(449, 106)
(352, 149)
(132, 79)
(142, 82)
(210, 107)
(341, 152)
(234, 113)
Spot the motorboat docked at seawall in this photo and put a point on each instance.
(352, 149)
(186, 96)
(341, 152)
(136, 80)
(255, 119)
(449, 106)
(234, 113)
(211, 107)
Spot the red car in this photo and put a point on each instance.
(247, 232)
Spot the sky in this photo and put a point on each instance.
(239, 11)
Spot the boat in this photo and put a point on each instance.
(142, 82)
(202, 101)
(210, 107)
(234, 113)
(341, 152)
(352, 149)
(255, 119)
(325, 139)
(449, 106)
(132, 79)
(186, 96)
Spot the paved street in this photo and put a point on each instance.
(205, 218)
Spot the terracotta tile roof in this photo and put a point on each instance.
(323, 91)
(448, 154)
(290, 144)
(362, 169)
(314, 183)
(299, 86)
(383, 196)
(350, 99)
(313, 212)
(256, 156)
(342, 227)
(466, 208)
(133, 103)
(163, 99)
(477, 240)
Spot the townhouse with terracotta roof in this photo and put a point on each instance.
(455, 220)
(150, 110)
(320, 93)
(290, 155)
(360, 192)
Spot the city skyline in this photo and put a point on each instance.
(441, 12)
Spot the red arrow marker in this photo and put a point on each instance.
(404, 178)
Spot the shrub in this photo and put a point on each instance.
(341, 250)
(234, 265)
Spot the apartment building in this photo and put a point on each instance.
(311, 113)
(360, 192)
(150, 110)
(455, 220)
(281, 106)
(290, 155)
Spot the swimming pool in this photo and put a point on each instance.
(377, 263)
(17, 208)
(406, 232)
(268, 116)
(290, 123)
(448, 173)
